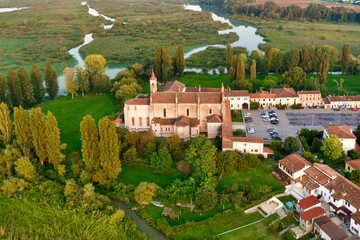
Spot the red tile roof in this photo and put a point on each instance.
(354, 163)
(322, 220)
(356, 217)
(237, 93)
(341, 131)
(308, 202)
(344, 98)
(309, 92)
(267, 150)
(294, 163)
(317, 175)
(138, 101)
(333, 231)
(283, 92)
(263, 95)
(214, 118)
(312, 213)
(153, 77)
(326, 101)
(326, 169)
(175, 86)
(307, 182)
(186, 97)
(200, 89)
(247, 139)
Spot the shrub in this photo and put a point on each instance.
(13, 185)
(205, 71)
(297, 106)
(277, 155)
(161, 160)
(275, 145)
(184, 168)
(354, 154)
(117, 217)
(291, 144)
(206, 197)
(308, 156)
(221, 70)
(145, 192)
(316, 146)
(25, 168)
(254, 105)
(304, 143)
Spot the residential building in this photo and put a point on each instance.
(239, 99)
(285, 96)
(345, 135)
(326, 229)
(355, 224)
(352, 165)
(307, 203)
(342, 102)
(310, 98)
(265, 99)
(307, 218)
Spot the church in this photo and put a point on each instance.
(186, 111)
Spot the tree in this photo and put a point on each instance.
(51, 80)
(229, 57)
(158, 63)
(161, 160)
(357, 133)
(345, 60)
(253, 71)
(308, 156)
(5, 123)
(101, 83)
(4, 94)
(109, 148)
(23, 131)
(53, 143)
(174, 145)
(240, 75)
(89, 143)
(38, 131)
(25, 85)
(206, 197)
(166, 67)
(354, 176)
(25, 168)
(268, 56)
(295, 78)
(179, 60)
(264, 189)
(128, 91)
(37, 83)
(95, 64)
(81, 80)
(226, 162)
(292, 58)
(70, 83)
(291, 144)
(305, 59)
(15, 89)
(275, 145)
(201, 154)
(315, 146)
(145, 192)
(332, 148)
(324, 68)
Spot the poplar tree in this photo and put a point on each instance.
(166, 67)
(345, 61)
(81, 80)
(15, 89)
(233, 69)
(229, 57)
(23, 131)
(90, 143)
(179, 60)
(305, 59)
(4, 94)
(241, 70)
(158, 64)
(70, 84)
(324, 68)
(53, 142)
(37, 83)
(109, 149)
(5, 123)
(253, 71)
(38, 132)
(268, 56)
(51, 80)
(25, 85)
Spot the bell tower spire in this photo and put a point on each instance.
(153, 83)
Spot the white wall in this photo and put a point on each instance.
(136, 111)
(354, 227)
(246, 147)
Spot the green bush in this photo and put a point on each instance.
(275, 145)
(304, 143)
(254, 105)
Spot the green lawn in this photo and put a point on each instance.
(70, 112)
(236, 116)
(253, 178)
(287, 198)
(133, 175)
(206, 81)
(239, 133)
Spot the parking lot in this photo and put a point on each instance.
(291, 121)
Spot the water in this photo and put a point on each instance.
(4, 10)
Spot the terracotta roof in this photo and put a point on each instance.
(194, 122)
(227, 127)
(354, 163)
(343, 98)
(283, 92)
(200, 89)
(322, 220)
(309, 92)
(317, 175)
(214, 118)
(307, 182)
(294, 163)
(341, 131)
(326, 169)
(138, 101)
(326, 101)
(333, 231)
(163, 121)
(263, 95)
(182, 121)
(237, 93)
(247, 139)
(267, 150)
(186, 97)
(308, 202)
(312, 213)
(153, 77)
(175, 86)
(356, 217)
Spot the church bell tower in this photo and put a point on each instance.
(153, 83)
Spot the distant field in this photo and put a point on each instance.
(303, 3)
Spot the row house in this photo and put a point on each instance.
(310, 98)
(239, 99)
(265, 99)
(345, 135)
(326, 229)
(285, 96)
(342, 102)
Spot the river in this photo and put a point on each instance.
(4, 10)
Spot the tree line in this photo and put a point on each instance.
(270, 10)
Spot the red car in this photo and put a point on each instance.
(354, 109)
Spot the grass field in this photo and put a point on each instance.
(69, 113)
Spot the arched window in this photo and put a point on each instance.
(147, 121)
(164, 112)
(140, 121)
(133, 121)
(187, 112)
(210, 111)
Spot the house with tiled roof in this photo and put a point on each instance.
(307, 218)
(239, 99)
(285, 96)
(345, 135)
(342, 102)
(307, 203)
(264, 98)
(355, 224)
(331, 231)
(352, 165)
(310, 98)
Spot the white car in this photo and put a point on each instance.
(247, 114)
(250, 130)
(266, 119)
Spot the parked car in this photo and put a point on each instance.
(337, 109)
(248, 119)
(263, 114)
(274, 118)
(274, 122)
(250, 130)
(273, 133)
(266, 119)
(276, 137)
(272, 112)
(354, 109)
(270, 130)
(247, 115)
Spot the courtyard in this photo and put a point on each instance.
(291, 121)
